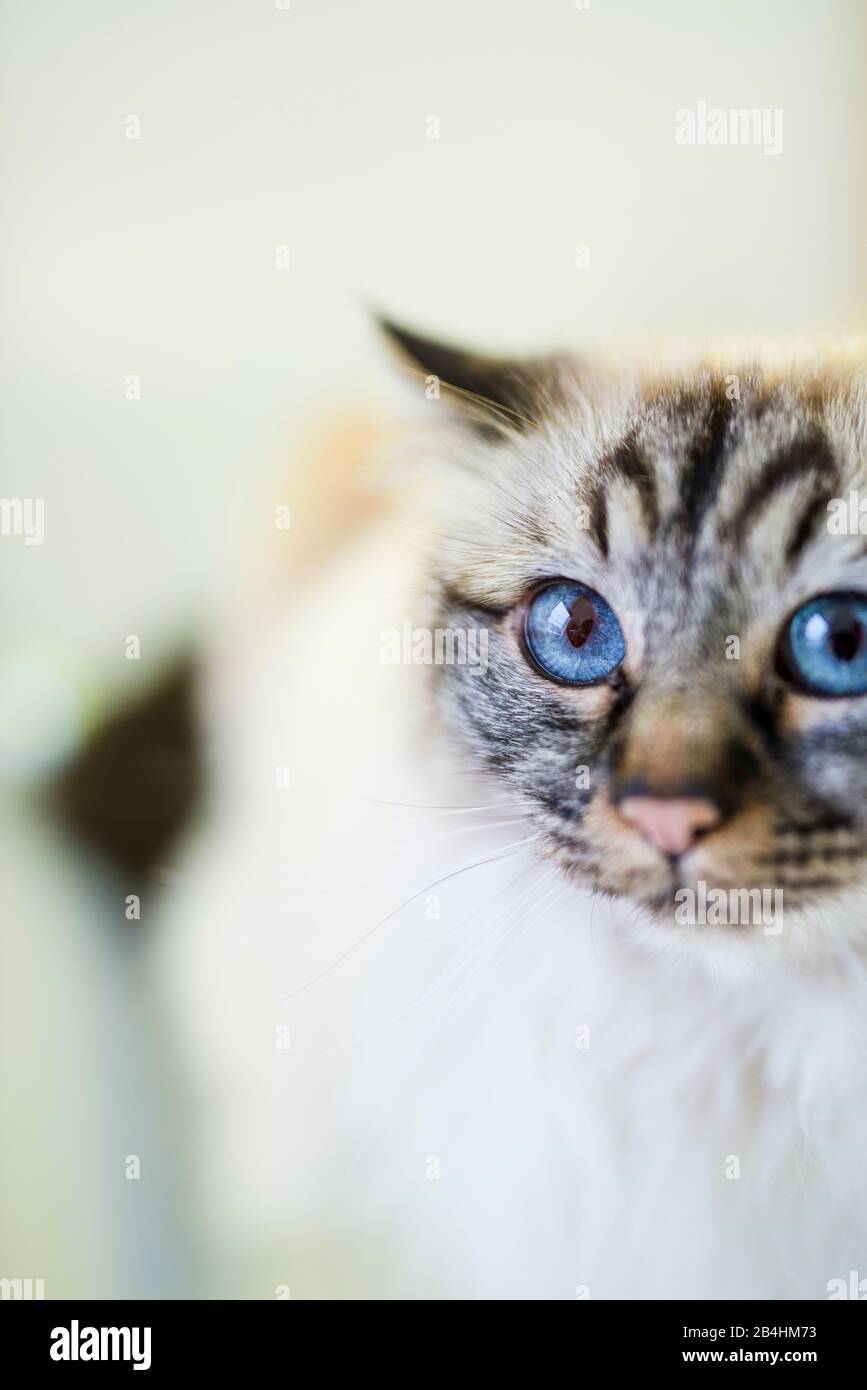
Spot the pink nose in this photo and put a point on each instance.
(672, 823)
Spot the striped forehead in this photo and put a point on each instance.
(700, 470)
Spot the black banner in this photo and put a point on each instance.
(158, 1338)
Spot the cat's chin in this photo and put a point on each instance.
(682, 925)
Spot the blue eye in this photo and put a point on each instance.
(825, 645)
(572, 634)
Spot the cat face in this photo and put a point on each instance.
(637, 551)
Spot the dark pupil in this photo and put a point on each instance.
(845, 636)
(582, 616)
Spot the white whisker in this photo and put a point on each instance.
(473, 829)
(437, 810)
(426, 1040)
(502, 853)
(463, 955)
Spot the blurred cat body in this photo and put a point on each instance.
(436, 1053)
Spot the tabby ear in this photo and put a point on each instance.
(493, 395)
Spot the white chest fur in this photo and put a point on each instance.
(417, 1077)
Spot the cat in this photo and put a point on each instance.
(472, 963)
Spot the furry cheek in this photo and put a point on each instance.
(806, 714)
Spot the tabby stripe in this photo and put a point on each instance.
(629, 462)
(702, 476)
(801, 858)
(599, 519)
(823, 825)
(815, 511)
(800, 459)
(452, 597)
(809, 885)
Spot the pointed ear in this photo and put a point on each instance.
(493, 395)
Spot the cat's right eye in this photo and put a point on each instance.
(571, 634)
(824, 647)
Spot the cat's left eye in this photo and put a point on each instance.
(824, 647)
(572, 634)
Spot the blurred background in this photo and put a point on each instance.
(202, 201)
